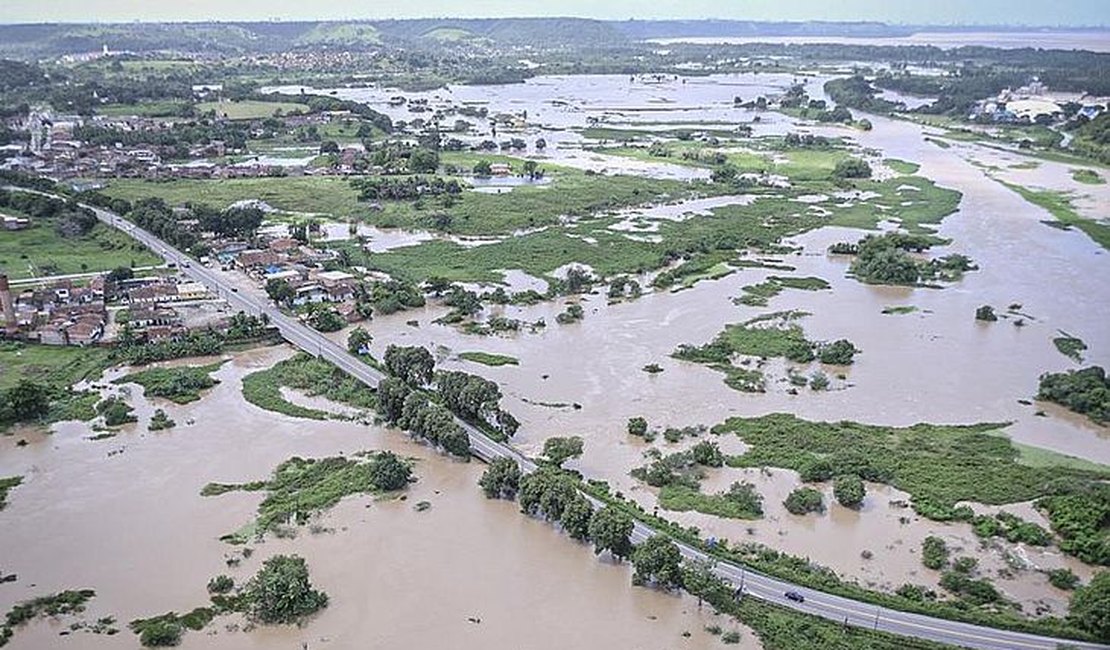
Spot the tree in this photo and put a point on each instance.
(413, 365)
(849, 490)
(482, 169)
(851, 168)
(804, 500)
(934, 553)
(708, 453)
(637, 426)
(279, 291)
(530, 169)
(392, 392)
(501, 480)
(576, 518)
(423, 161)
(329, 146)
(658, 561)
(119, 274)
(389, 472)
(700, 579)
(610, 530)
(1090, 606)
(281, 592)
(325, 319)
(559, 450)
(24, 402)
(358, 341)
(455, 441)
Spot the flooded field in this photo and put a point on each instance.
(936, 364)
(124, 516)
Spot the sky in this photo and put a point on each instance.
(937, 12)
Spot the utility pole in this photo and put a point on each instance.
(877, 610)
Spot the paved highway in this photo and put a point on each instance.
(836, 608)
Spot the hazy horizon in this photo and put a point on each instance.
(940, 13)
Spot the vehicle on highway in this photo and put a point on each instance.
(795, 596)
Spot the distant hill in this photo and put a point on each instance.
(50, 40)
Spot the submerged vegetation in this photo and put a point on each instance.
(311, 375)
(301, 488)
(179, 384)
(763, 337)
(280, 593)
(1085, 391)
(64, 603)
(938, 465)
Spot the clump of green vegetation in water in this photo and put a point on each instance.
(116, 412)
(280, 593)
(766, 336)
(488, 359)
(1063, 579)
(902, 166)
(301, 488)
(885, 259)
(1085, 391)
(180, 384)
(652, 368)
(63, 603)
(1011, 528)
(1070, 346)
(934, 553)
(314, 376)
(572, 314)
(740, 501)
(986, 314)
(899, 309)
(160, 421)
(1087, 176)
(757, 295)
(804, 500)
(938, 465)
(6, 484)
(166, 629)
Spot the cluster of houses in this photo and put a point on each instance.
(1034, 104)
(66, 313)
(60, 314)
(286, 259)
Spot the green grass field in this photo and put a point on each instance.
(250, 110)
(40, 250)
(49, 364)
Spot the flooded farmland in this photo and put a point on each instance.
(124, 514)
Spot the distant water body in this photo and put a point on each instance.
(1095, 41)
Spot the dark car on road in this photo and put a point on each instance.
(795, 596)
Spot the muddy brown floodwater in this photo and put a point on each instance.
(935, 365)
(124, 516)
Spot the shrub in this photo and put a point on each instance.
(804, 500)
